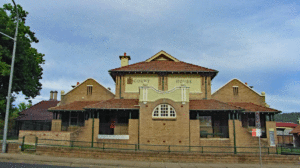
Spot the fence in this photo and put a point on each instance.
(146, 147)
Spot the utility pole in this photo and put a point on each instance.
(10, 82)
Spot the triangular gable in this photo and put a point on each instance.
(238, 81)
(161, 56)
(84, 82)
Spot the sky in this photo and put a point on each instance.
(254, 41)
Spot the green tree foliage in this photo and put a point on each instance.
(288, 117)
(14, 114)
(28, 61)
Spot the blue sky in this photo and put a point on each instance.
(254, 41)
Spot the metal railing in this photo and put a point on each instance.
(151, 148)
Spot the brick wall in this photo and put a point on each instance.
(11, 147)
(271, 126)
(194, 133)
(164, 131)
(98, 93)
(245, 94)
(167, 157)
(133, 128)
(56, 125)
(30, 137)
(85, 133)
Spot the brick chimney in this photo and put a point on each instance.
(124, 59)
(51, 95)
(55, 95)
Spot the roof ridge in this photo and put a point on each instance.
(127, 66)
(198, 66)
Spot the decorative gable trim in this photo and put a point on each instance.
(238, 81)
(162, 53)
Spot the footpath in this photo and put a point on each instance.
(84, 162)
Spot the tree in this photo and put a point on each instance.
(14, 114)
(28, 61)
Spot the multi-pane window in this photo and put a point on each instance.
(164, 111)
(89, 89)
(235, 90)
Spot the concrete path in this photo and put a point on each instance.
(83, 162)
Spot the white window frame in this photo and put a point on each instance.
(158, 112)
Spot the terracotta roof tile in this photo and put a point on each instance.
(116, 104)
(76, 106)
(164, 66)
(38, 111)
(251, 107)
(211, 105)
(296, 130)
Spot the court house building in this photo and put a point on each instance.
(161, 101)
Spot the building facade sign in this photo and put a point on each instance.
(191, 81)
(134, 81)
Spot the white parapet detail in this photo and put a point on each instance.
(101, 136)
(177, 94)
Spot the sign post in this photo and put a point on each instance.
(258, 133)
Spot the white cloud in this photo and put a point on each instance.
(284, 103)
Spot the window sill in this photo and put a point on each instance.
(164, 118)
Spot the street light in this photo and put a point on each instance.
(10, 82)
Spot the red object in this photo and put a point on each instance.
(112, 125)
(253, 132)
(124, 53)
(77, 83)
(280, 124)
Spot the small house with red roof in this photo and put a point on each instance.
(37, 117)
(283, 133)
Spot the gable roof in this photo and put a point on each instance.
(85, 81)
(38, 111)
(211, 105)
(168, 64)
(74, 106)
(296, 130)
(116, 104)
(238, 81)
(251, 107)
(162, 53)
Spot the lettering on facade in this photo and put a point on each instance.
(129, 80)
(184, 81)
(141, 80)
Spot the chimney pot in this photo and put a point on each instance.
(77, 83)
(51, 95)
(124, 59)
(55, 95)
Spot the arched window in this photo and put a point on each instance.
(164, 111)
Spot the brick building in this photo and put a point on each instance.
(163, 101)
